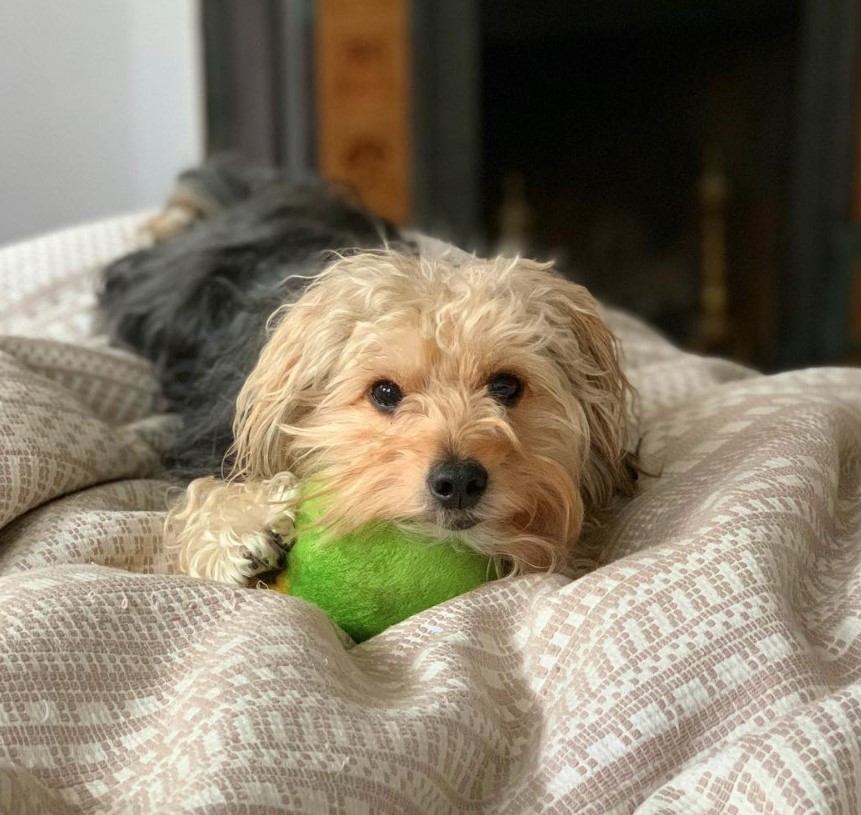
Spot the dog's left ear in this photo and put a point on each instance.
(290, 378)
(588, 353)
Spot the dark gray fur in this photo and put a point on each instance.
(196, 305)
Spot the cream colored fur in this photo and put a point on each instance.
(223, 528)
(440, 331)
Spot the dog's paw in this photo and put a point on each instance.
(169, 222)
(267, 556)
(234, 531)
(237, 559)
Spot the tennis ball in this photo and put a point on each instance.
(377, 575)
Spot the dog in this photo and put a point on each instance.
(303, 341)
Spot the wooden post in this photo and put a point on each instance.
(714, 193)
(363, 101)
(855, 216)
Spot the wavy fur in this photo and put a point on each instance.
(306, 350)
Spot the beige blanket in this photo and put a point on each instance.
(713, 665)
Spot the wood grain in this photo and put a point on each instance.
(363, 101)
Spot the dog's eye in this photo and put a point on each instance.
(505, 388)
(385, 395)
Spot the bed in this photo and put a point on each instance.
(712, 663)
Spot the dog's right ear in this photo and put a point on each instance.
(291, 377)
(588, 354)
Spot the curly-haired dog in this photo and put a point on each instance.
(468, 398)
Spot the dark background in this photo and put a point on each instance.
(592, 133)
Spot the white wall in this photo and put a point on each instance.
(101, 103)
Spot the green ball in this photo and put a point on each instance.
(378, 575)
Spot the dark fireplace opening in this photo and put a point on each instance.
(648, 149)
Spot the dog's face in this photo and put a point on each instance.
(481, 401)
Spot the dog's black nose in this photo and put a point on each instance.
(457, 484)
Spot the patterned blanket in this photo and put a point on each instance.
(711, 664)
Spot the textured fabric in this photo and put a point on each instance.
(712, 664)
